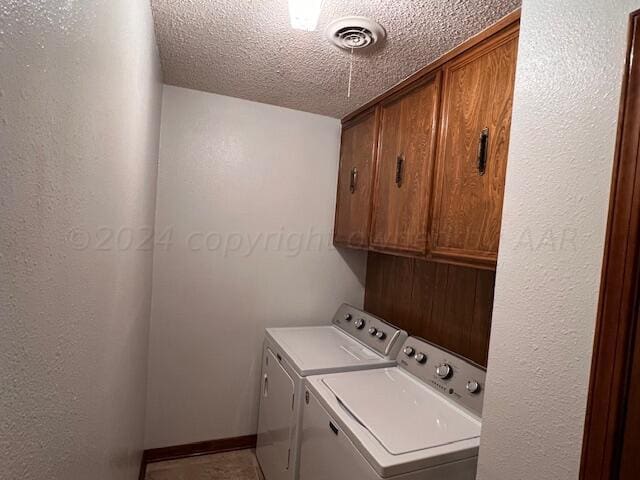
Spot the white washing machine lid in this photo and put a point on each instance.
(403, 414)
(324, 349)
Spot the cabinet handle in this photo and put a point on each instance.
(265, 391)
(353, 181)
(399, 170)
(482, 151)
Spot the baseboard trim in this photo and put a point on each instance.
(207, 447)
(143, 468)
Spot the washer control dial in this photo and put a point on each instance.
(444, 370)
(348, 317)
(421, 357)
(381, 335)
(359, 323)
(373, 331)
(473, 386)
(409, 351)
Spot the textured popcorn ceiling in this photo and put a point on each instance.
(247, 49)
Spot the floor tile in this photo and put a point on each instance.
(238, 465)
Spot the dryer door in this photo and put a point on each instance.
(276, 421)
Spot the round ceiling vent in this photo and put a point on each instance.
(354, 32)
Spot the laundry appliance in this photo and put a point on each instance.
(355, 340)
(419, 420)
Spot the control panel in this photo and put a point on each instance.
(451, 375)
(374, 332)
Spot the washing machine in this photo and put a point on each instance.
(419, 420)
(354, 340)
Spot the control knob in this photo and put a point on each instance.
(421, 357)
(373, 331)
(348, 317)
(381, 335)
(473, 386)
(359, 323)
(444, 370)
(409, 351)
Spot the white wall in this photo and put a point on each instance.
(260, 182)
(569, 77)
(79, 124)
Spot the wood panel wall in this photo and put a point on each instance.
(445, 304)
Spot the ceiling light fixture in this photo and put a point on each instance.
(304, 14)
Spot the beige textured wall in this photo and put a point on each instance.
(259, 183)
(569, 77)
(79, 123)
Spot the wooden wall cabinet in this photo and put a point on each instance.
(406, 148)
(472, 154)
(355, 181)
(431, 157)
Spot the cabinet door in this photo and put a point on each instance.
(472, 152)
(355, 179)
(406, 149)
(276, 420)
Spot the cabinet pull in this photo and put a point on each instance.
(265, 391)
(399, 170)
(353, 181)
(482, 151)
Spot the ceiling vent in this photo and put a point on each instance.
(354, 32)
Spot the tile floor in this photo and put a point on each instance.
(238, 465)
